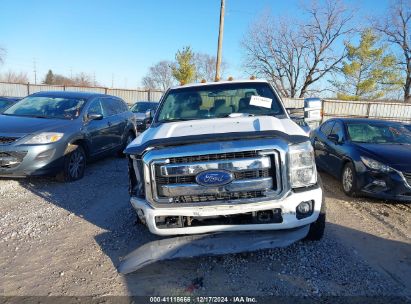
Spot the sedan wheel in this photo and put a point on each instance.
(348, 179)
(74, 165)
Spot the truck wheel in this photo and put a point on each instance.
(348, 179)
(74, 165)
(317, 228)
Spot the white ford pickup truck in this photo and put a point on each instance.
(225, 156)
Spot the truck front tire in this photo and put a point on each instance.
(317, 228)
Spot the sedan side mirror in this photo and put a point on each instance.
(334, 138)
(94, 116)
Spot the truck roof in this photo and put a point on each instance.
(199, 84)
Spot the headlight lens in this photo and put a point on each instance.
(375, 165)
(302, 168)
(44, 138)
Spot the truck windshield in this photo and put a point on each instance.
(219, 100)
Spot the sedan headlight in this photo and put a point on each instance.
(301, 164)
(375, 165)
(44, 138)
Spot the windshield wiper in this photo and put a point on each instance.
(35, 116)
(234, 115)
(177, 119)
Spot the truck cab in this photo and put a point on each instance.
(224, 156)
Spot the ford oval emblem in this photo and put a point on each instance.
(214, 178)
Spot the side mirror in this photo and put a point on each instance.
(94, 116)
(334, 138)
(313, 111)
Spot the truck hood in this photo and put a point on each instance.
(218, 126)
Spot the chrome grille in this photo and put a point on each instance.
(192, 179)
(218, 197)
(208, 157)
(256, 175)
(6, 140)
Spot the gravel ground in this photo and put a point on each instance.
(67, 239)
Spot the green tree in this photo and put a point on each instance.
(368, 72)
(49, 78)
(184, 70)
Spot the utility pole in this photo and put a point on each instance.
(220, 41)
(35, 71)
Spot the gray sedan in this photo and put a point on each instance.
(55, 133)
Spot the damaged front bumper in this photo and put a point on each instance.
(392, 186)
(208, 245)
(266, 215)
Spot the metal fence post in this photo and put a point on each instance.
(322, 110)
(368, 109)
(28, 88)
(149, 95)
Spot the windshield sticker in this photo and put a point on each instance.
(260, 101)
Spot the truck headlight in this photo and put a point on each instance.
(301, 165)
(44, 138)
(375, 165)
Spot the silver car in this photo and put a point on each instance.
(143, 113)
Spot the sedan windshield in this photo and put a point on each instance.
(220, 100)
(47, 107)
(378, 133)
(5, 103)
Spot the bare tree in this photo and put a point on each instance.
(294, 56)
(396, 27)
(206, 66)
(83, 79)
(61, 80)
(274, 51)
(14, 77)
(159, 76)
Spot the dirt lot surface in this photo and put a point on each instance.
(67, 239)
